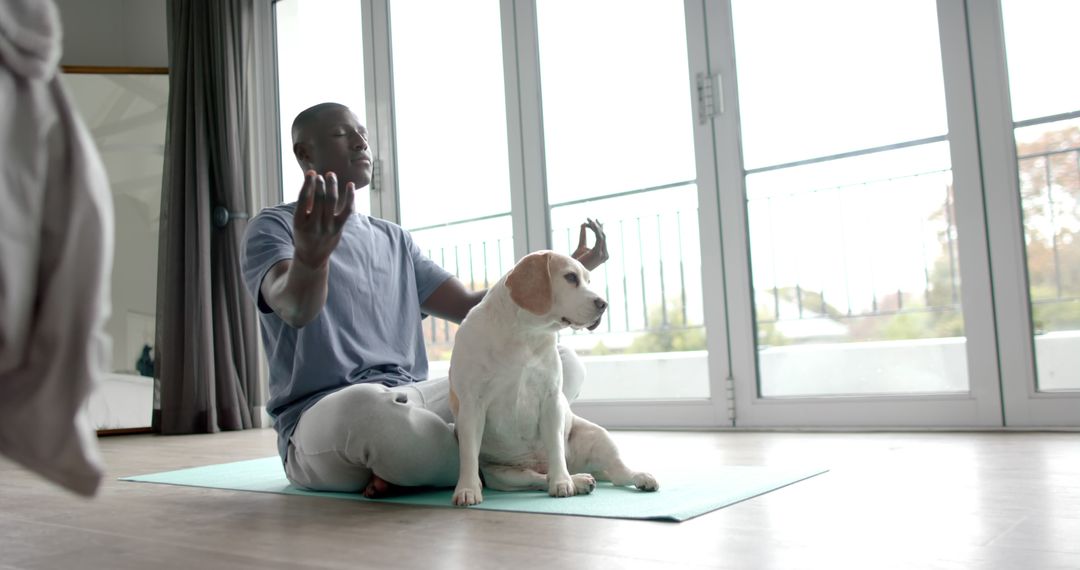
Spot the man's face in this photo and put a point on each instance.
(338, 143)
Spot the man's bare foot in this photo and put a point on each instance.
(378, 488)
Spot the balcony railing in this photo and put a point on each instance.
(859, 287)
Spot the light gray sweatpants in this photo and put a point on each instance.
(404, 434)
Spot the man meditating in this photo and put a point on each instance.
(341, 296)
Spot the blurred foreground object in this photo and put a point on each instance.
(56, 243)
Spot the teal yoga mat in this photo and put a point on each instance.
(681, 496)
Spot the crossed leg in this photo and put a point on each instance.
(371, 439)
(366, 437)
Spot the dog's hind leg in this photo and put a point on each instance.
(591, 449)
(503, 478)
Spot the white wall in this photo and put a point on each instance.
(114, 33)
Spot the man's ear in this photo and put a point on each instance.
(530, 283)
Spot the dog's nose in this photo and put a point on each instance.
(600, 304)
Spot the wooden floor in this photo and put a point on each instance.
(922, 500)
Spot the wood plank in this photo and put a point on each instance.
(949, 500)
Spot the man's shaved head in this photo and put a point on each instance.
(329, 137)
(301, 125)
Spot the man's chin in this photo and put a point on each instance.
(360, 177)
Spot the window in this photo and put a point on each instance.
(619, 147)
(315, 67)
(450, 122)
(849, 192)
(1045, 94)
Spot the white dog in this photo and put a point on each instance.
(513, 422)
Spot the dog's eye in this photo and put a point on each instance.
(571, 278)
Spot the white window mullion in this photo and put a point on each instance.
(1004, 213)
(524, 127)
(379, 82)
(730, 180)
(976, 293)
(724, 248)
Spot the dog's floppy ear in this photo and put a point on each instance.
(530, 283)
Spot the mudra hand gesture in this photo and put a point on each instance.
(591, 258)
(320, 215)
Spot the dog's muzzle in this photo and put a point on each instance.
(601, 305)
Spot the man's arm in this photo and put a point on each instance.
(296, 288)
(452, 301)
(295, 292)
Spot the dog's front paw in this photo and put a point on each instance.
(584, 483)
(465, 496)
(561, 487)
(645, 482)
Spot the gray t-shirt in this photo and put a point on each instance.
(368, 331)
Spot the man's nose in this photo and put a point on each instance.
(359, 142)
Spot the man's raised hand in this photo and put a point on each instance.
(320, 215)
(591, 258)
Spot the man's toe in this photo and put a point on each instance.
(377, 487)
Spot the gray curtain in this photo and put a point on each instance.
(206, 359)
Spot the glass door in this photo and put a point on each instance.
(302, 62)
(852, 192)
(449, 128)
(838, 213)
(1046, 120)
(619, 147)
(1029, 101)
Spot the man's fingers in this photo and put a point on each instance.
(601, 237)
(581, 242)
(319, 198)
(346, 202)
(596, 227)
(307, 191)
(598, 253)
(331, 203)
